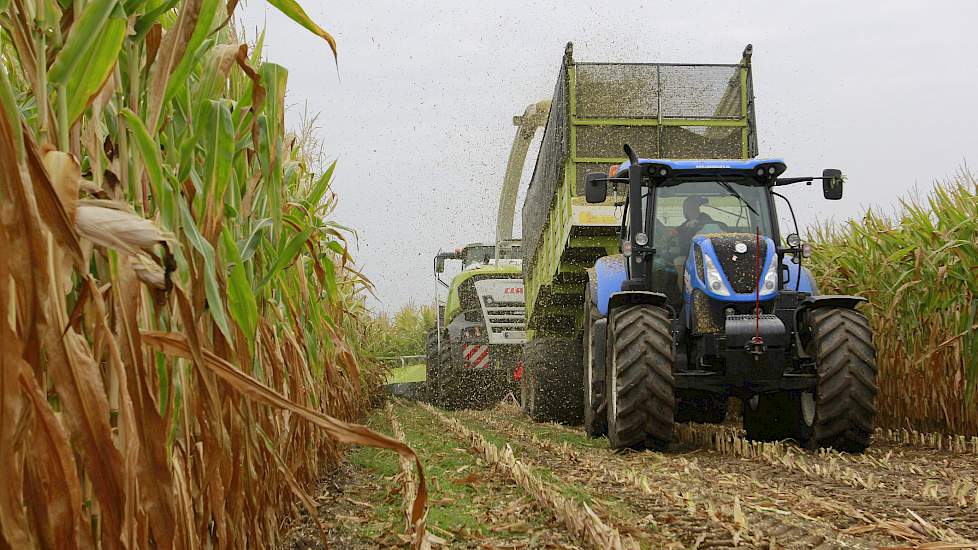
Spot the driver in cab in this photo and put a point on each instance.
(695, 220)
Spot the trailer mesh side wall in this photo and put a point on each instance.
(661, 110)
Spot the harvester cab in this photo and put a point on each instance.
(706, 302)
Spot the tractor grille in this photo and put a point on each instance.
(740, 268)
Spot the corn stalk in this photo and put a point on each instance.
(919, 270)
(179, 314)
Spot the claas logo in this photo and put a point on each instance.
(514, 290)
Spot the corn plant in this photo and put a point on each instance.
(919, 270)
(179, 353)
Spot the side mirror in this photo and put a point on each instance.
(595, 187)
(439, 265)
(832, 184)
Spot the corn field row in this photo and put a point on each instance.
(180, 333)
(919, 270)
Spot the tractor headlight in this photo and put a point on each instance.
(714, 281)
(770, 282)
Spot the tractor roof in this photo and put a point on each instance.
(713, 167)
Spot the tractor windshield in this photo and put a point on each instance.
(688, 209)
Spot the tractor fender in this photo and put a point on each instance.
(627, 298)
(807, 282)
(609, 274)
(840, 301)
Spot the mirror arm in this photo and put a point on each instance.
(795, 252)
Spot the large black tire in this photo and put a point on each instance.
(445, 396)
(701, 406)
(841, 342)
(552, 382)
(595, 417)
(640, 385)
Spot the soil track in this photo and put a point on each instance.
(712, 489)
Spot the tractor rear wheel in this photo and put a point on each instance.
(595, 417)
(841, 342)
(639, 381)
(550, 388)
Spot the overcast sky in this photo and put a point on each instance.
(420, 116)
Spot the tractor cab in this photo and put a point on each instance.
(706, 228)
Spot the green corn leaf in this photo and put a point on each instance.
(211, 287)
(144, 23)
(82, 39)
(254, 239)
(241, 297)
(205, 21)
(217, 140)
(148, 150)
(294, 11)
(85, 73)
(316, 193)
(287, 254)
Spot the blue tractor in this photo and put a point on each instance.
(705, 302)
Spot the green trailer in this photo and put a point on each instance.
(665, 110)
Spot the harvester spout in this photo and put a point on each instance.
(535, 116)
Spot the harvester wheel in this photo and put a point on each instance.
(595, 418)
(431, 366)
(550, 388)
(641, 398)
(446, 397)
(841, 342)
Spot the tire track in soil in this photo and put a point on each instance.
(924, 474)
(843, 505)
(885, 491)
(696, 507)
(577, 517)
(514, 521)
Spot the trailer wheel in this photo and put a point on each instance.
(595, 418)
(552, 381)
(641, 387)
(841, 342)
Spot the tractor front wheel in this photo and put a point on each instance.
(841, 342)
(639, 381)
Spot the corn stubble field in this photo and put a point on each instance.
(185, 347)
